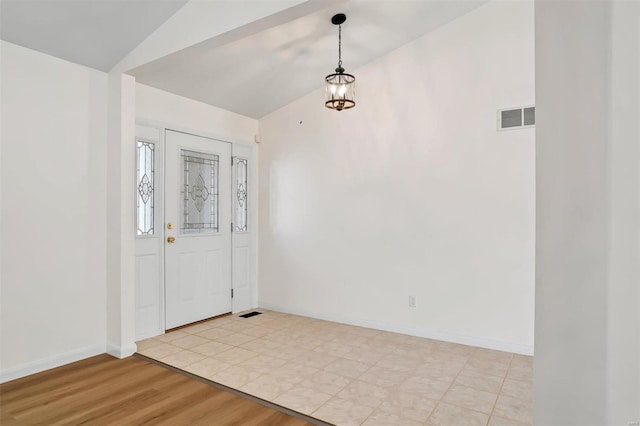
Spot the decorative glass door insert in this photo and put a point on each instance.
(199, 192)
(241, 195)
(145, 201)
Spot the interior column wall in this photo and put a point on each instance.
(120, 216)
(623, 293)
(588, 213)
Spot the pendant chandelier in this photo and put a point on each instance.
(340, 87)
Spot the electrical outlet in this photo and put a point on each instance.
(412, 301)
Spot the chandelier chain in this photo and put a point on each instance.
(339, 46)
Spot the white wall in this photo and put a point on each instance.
(588, 213)
(53, 212)
(178, 112)
(623, 292)
(413, 192)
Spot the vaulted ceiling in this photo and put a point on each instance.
(253, 69)
(95, 33)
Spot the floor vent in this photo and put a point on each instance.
(516, 118)
(250, 314)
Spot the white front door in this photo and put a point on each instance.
(197, 228)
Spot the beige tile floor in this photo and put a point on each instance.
(350, 375)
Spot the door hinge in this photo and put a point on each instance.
(232, 161)
(231, 226)
(232, 293)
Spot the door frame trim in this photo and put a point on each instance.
(162, 127)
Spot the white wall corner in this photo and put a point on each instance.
(50, 362)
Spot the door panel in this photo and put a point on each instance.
(243, 243)
(147, 279)
(198, 207)
(149, 235)
(241, 267)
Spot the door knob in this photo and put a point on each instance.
(171, 240)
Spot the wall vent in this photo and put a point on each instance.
(516, 118)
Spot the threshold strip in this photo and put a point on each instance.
(237, 392)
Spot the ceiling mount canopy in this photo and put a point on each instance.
(340, 86)
(338, 19)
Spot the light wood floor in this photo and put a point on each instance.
(107, 391)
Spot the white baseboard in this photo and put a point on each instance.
(252, 306)
(121, 351)
(149, 334)
(50, 362)
(412, 331)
